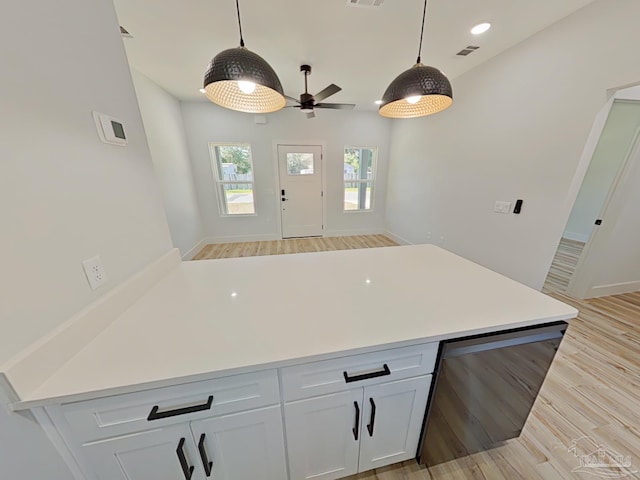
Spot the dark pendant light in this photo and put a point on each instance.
(419, 91)
(241, 80)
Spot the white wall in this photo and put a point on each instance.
(164, 127)
(206, 122)
(613, 148)
(516, 130)
(64, 195)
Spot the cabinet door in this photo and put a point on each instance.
(393, 415)
(323, 435)
(151, 455)
(242, 446)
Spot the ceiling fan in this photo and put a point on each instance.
(307, 102)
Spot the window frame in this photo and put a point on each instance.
(216, 168)
(372, 181)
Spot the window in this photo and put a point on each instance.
(359, 177)
(233, 174)
(299, 163)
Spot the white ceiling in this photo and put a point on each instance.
(360, 49)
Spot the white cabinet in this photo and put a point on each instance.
(393, 414)
(151, 455)
(323, 435)
(242, 446)
(333, 436)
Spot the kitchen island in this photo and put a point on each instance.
(206, 343)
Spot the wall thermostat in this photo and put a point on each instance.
(110, 130)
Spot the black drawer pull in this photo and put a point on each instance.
(203, 456)
(373, 417)
(186, 469)
(366, 376)
(155, 415)
(356, 429)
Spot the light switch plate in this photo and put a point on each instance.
(502, 207)
(93, 269)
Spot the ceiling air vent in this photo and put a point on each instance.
(365, 3)
(467, 50)
(124, 32)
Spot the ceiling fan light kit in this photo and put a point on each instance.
(242, 80)
(419, 91)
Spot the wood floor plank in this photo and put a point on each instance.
(292, 245)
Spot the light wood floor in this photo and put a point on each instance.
(292, 245)
(592, 391)
(563, 266)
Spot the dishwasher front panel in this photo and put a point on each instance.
(484, 391)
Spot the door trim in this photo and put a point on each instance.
(276, 172)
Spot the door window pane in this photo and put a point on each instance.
(300, 163)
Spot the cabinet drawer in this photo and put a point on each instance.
(124, 414)
(330, 376)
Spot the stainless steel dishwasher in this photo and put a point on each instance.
(484, 388)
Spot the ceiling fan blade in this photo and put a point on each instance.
(336, 106)
(327, 92)
(311, 115)
(292, 99)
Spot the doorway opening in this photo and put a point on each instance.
(611, 158)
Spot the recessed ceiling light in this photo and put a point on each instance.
(202, 90)
(378, 102)
(480, 28)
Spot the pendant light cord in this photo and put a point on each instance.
(424, 16)
(240, 24)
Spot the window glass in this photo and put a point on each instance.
(300, 163)
(233, 173)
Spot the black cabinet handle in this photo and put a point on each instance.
(203, 456)
(373, 417)
(356, 429)
(186, 469)
(366, 376)
(155, 415)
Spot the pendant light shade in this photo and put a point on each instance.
(241, 80)
(242, 65)
(419, 91)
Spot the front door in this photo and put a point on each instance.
(300, 168)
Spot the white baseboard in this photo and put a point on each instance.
(194, 250)
(31, 367)
(397, 238)
(576, 237)
(614, 289)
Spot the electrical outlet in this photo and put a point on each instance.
(93, 269)
(502, 207)
(429, 237)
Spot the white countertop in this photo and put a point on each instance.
(213, 317)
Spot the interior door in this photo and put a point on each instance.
(391, 423)
(300, 171)
(242, 446)
(323, 435)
